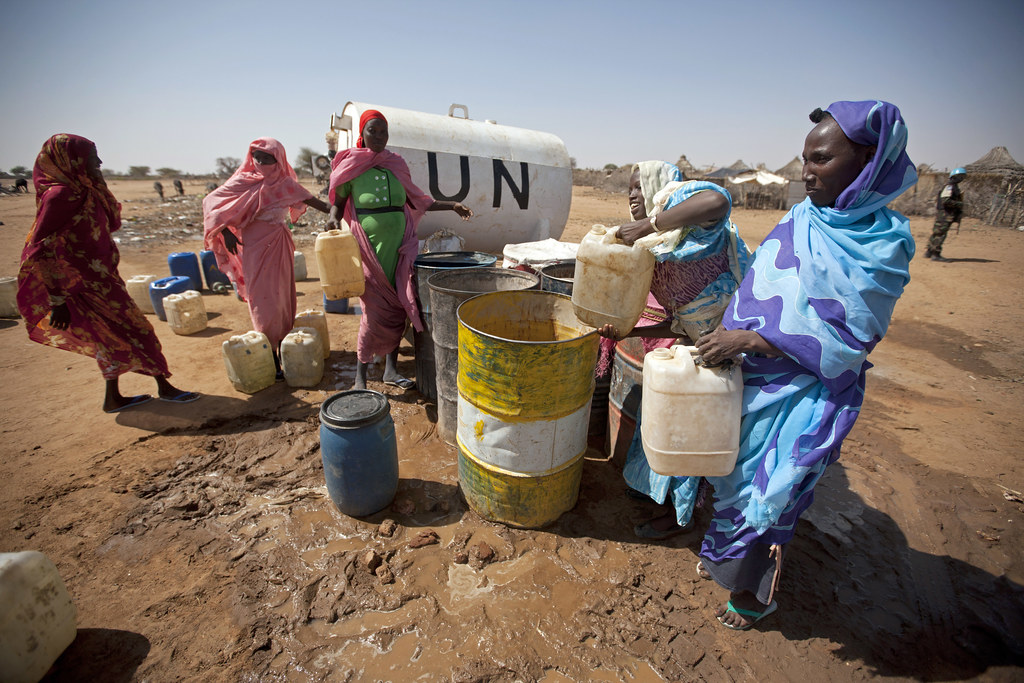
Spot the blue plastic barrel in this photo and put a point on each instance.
(158, 289)
(186, 263)
(211, 273)
(359, 451)
(335, 305)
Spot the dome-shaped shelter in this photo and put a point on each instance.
(994, 189)
(999, 161)
(794, 170)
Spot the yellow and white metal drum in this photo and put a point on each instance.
(526, 378)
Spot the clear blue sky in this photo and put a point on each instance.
(179, 84)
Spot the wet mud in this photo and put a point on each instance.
(203, 546)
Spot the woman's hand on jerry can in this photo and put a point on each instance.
(631, 232)
(721, 344)
(608, 332)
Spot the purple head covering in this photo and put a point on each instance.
(890, 172)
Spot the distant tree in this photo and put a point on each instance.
(227, 165)
(303, 162)
(19, 171)
(138, 171)
(167, 172)
(610, 167)
(572, 162)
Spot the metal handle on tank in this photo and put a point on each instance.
(464, 108)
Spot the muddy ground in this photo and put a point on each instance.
(199, 544)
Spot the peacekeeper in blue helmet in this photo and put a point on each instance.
(949, 207)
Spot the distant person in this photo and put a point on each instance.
(21, 185)
(700, 261)
(179, 188)
(817, 299)
(372, 188)
(246, 226)
(949, 208)
(69, 270)
(159, 187)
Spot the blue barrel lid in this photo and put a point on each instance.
(456, 259)
(170, 281)
(354, 409)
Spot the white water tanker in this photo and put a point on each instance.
(517, 181)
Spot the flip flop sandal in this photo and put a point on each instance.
(403, 383)
(702, 572)
(132, 402)
(756, 616)
(181, 397)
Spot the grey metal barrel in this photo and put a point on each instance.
(423, 342)
(448, 289)
(558, 277)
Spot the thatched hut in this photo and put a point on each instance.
(794, 170)
(688, 169)
(728, 171)
(994, 189)
(794, 173)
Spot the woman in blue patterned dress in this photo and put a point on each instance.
(816, 300)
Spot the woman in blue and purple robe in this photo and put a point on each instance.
(815, 302)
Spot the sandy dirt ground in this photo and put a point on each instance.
(199, 543)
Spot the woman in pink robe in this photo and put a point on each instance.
(246, 227)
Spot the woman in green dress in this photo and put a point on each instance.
(371, 188)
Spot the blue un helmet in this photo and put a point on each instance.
(958, 171)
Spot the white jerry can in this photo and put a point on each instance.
(38, 619)
(517, 181)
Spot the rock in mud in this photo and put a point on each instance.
(484, 552)
(387, 528)
(428, 537)
(385, 574)
(370, 559)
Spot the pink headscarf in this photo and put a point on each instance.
(251, 190)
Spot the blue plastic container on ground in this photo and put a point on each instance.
(359, 451)
(186, 263)
(211, 273)
(158, 289)
(335, 305)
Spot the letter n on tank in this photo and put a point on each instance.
(435, 189)
(521, 193)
